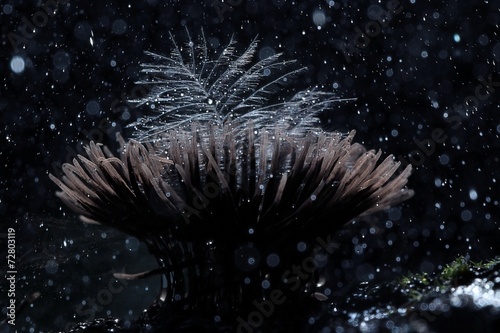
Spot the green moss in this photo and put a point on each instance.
(453, 270)
(459, 272)
(404, 293)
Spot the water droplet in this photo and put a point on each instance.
(273, 260)
(473, 194)
(132, 244)
(17, 64)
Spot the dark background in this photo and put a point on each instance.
(78, 69)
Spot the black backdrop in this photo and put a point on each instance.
(425, 76)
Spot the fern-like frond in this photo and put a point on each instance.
(189, 87)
